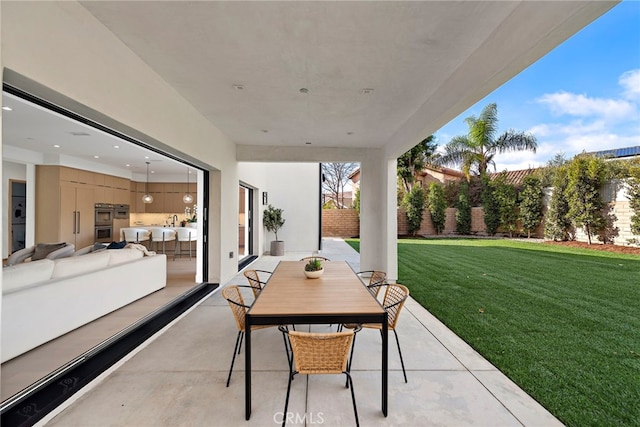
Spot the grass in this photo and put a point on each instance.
(562, 323)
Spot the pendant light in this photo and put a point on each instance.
(187, 198)
(147, 198)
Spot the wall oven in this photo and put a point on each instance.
(121, 211)
(104, 234)
(104, 214)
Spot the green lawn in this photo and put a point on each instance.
(562, 323)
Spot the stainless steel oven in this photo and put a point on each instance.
(121, 211)
(104, 234)
(104, 214)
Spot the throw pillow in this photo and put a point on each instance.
(44, 249)
(117, 245)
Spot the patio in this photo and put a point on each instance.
(178, 377)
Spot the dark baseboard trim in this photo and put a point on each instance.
(33, 406)
(246, 261)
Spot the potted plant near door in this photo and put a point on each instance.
(273, 221)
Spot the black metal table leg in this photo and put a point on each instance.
(385, 363)
(247, 370)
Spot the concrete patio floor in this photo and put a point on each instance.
(177, 378)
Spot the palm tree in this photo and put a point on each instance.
(476, 150)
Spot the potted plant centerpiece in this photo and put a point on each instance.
(273, 221)
(313, 269)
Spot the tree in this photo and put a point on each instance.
(335, 177)
(463, 214)
(437, 206)
(557, 222)
(475, 151)
(490, 207)
(414, 204)
(585, 176)
(633, 194)
(414, 160)
(272, 219)
(356, 201)
(531, 201)
(507, 199)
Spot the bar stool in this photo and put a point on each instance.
(162, 235)
(135, 235)
(184, 235)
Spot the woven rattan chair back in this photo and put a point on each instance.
(376, 281)
(318, 353)
(394, 299)
(236, 303)
(254, 281)
(309, 258)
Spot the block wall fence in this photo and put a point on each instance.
(345, 223)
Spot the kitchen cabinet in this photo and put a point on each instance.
(64, 207)
(167, 197)
(77, 215)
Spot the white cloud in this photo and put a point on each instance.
(630, 82)
(613, 110)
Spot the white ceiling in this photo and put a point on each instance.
(426, 61)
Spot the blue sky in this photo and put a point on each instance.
(583, 95)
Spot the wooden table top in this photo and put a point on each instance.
(337, 291)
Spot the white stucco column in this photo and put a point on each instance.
(378, 215)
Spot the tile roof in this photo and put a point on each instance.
(514, 178)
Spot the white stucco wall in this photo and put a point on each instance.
(293, 187)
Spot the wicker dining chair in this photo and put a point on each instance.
(309, 258)
(377, 279)
(253, 276)
(394, 299)
(319, 353)
(239, 309)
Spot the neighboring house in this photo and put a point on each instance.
(514, 178)
(619, 153)
(438, 174)
(428, 175)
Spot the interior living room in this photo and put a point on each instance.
(248, 97)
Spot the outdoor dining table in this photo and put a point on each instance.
(338, 296)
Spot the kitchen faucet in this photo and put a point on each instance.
(173, 220)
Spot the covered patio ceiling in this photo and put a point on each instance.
(338, 75)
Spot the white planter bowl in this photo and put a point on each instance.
(313, 274)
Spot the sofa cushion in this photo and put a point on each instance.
(82, 264)
(24, 274)
(90, 249)
(123, 255)
(44, 249)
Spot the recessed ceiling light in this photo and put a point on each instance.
(96, 157)
(265, 130)
(5, 108)
(238, 87)
(128, 165)
(304, 90)
(146, 157)
(56, 146)
(308, 142)
(153, 171)
(79, 134)
(349, 133)
(366, 91)
(116, 146)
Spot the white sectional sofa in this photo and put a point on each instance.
(42, 300)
